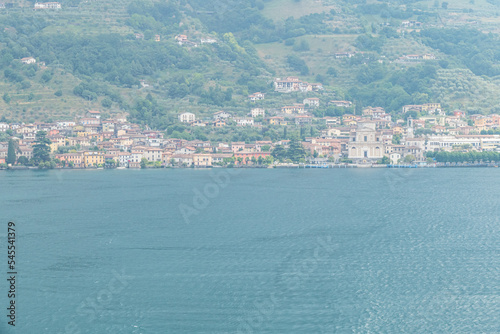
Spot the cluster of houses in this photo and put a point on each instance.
(411, 24)
(297, 113)
(95, 142)
(47, 5)
(294, 84)
(90, 141)
(184, 41)
(416, 58)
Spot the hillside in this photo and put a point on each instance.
(121, 55)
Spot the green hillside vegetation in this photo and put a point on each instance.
(104, 55)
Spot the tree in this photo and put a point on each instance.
(444, 5)
(296, 151)
(409, 158)
(144, 162)
(6, 98)
(41, 150)
(265, 148)
(22, 160)
(297, 64)
(11, 153)
(106, 102)
(46, 76)
(385, 160)
(279, 153)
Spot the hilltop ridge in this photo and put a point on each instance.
(129, 56)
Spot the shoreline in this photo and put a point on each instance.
(290, 166)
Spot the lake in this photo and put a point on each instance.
(253, 251)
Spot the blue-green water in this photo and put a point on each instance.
(263, 251)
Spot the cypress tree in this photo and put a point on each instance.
(11, 153)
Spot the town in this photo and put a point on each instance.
(370, 139)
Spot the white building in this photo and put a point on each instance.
(153, 154)
(123, 158)
(365, 144)
(136, 156)
(47, 5)
(28, 60)
(221, 115)
(244, 121)
(65, 124)
(256, 96)
(208, 41)
(258, 112)
(4, 127)
(311, 101)
(187, 117)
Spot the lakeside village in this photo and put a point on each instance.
(370, 139)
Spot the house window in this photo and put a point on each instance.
(366, 154)
(366, 138)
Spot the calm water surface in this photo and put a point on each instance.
(261, 251)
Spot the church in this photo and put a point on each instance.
(365, 144)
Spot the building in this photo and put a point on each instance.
(369, 111)
(221, 115)
(181, 39)
(220, 123)
(93, 114)
(342, 104)
(258, 112)
(202, 160)
(74, 158)
(331, 121)
(427, 107)
(256, 96)
(198, 123)
(311, 102)
(298, 108)
(365, 145)
(244, 121)
(276, 120)
(153, 154)
(90, 121)
(28, 60)
(93, 158)
(187, 117)
(294, 84)
(303, 120)
(342, 55)
(246, 157)
(47, 5)
(208, 40)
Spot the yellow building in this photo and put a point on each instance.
(202, 160)
(398, 130)
(276, 120)
(93, 158)
(96, 136)
(54, 146)
(82, 134)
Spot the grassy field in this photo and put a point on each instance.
(282, 9)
